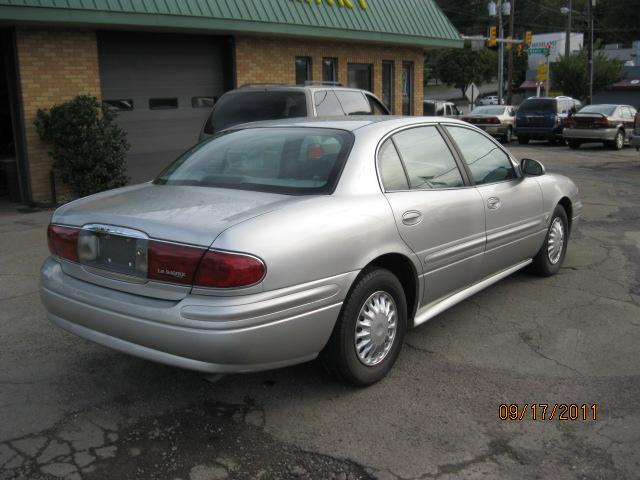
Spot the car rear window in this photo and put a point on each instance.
(242, 107)
(295, 161)
(488, 111)
(538, 106)
(603, 109)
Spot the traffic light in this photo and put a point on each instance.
(527, 38)
(492, 36)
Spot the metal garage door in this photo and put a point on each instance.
(159, 82)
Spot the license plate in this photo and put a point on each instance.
(113, 249)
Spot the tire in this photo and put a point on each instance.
(574, 144)
(508, 136)
(548, 261)
(340, 357)
(523, 140)
(618, 142)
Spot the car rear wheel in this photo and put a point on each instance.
(618, 141)
(549, 259)
(523, 140)
(368, 335)
(574, 144)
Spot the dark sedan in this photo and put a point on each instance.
(610, 124)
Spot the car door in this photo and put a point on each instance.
(513, 205)
(438, 214)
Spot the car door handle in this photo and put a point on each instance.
(493, 203)
(412, 217)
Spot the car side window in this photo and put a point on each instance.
(376, 106)
(427, 159)
(391, 170)
(327, 103)
(353, 102)
(488, 162)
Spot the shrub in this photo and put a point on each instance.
(89, 148)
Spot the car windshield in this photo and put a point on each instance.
(488, 111)
(295, 161)
(603, 109)
(244, 106)
(538, 105)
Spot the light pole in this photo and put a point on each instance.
(503, 8)
(568, 11)
(590, 8)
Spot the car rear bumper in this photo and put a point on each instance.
(204, 333)
(539, 133)
(598, 135)
(498, 130)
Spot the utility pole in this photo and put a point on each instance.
(500, 55)
(510, 65)
(590, 5)
(567, 41)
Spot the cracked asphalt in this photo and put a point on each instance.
(72, 409)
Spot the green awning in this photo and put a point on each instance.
(406, 22)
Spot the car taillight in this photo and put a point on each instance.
(601, 123)
(63, 242)
(495, 120)
(570, 122)
(170, 262)
(229, 270)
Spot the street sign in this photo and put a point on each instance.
(538, 51)
(472, 92)
(542, 72)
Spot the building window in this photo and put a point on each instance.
(360, 75)
(303, 70)
(407, 88)
(388, 83)
(329, 69)
(163, 103)
(121, 105)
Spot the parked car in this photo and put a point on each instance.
(495, 120)
(610, 124)
(544, 118)
(635, 136)
(257, 102)
(273, 243)
(439, 108)
(490, 100)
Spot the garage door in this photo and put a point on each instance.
(162, 85)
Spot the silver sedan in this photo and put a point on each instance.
(272, 244)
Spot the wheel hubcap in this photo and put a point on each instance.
(620, 140)
(376, 328)
(556, 241)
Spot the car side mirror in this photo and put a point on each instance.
(531, 167)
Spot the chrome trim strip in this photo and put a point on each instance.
(435, 308)
(115, 230)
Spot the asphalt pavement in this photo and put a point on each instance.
(72, 409)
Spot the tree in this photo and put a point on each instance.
(570, 74)
(89, 148)
(459, 67)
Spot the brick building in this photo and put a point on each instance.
(163, 64)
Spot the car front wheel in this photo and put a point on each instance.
(368, 335)
(549, 259)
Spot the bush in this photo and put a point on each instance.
(89, 148)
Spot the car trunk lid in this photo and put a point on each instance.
(121, 230)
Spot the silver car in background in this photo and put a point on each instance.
(274, 243)
(497, 120)
(610, 124)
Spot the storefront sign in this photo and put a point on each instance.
(341, 3)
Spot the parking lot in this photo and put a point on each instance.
(72, 409)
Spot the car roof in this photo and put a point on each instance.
(349, 123)
(263, 87)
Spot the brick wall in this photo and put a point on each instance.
(260, 60)
(54, 66)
